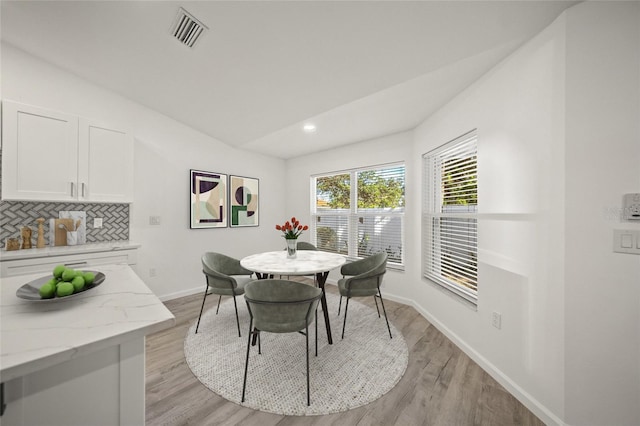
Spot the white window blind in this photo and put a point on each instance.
(360, 212)
(449, 220)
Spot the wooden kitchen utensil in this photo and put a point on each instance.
(61, 232)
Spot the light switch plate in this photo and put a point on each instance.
(626, 241)
(97, 222)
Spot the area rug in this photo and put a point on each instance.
(348, 374)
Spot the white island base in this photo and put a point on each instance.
(102, 388)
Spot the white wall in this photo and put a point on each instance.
(559, 143)
(165, 150)
(602, 288)
(518, 111)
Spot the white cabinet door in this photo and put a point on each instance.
(39, 154)
(51, 156)
(105, 164)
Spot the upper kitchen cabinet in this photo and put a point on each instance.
(105, 166)
(53, 156)
(39, 154)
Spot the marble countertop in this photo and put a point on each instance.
(37, 335)
(306, 262)
(66, 250)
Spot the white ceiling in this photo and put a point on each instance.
(357, 69)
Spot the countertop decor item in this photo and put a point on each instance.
(78, 224)
(12, 244)
(31, 290)
(25, 232)
(58, 231)
(40, 243)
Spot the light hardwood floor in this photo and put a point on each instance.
(442, 385)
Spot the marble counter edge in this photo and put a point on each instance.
(35, 253)
(51, 360)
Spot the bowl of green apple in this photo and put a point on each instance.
(63, 283)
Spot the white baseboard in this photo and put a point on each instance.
(520, 394)
(181, 293)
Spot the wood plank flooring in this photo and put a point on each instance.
(442, 385)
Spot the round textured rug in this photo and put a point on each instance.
(348, 374)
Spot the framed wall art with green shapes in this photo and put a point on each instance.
(244, 194)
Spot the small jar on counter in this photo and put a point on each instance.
(12, 244)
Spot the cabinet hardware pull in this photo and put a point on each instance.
(3, 405)
(83, 189)
(72, 188)
(75, 263)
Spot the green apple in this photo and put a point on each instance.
(88, 277)
(47, 291)
(78, 284)
(64, 289)
(68, 274)
(58, 270)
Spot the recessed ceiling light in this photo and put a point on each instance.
(309, 128)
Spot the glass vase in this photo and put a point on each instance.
(292, 248)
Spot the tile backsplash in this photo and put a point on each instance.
(16, 214)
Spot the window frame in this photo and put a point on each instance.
(353, 214)
(435, 210)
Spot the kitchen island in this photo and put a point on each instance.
(78, 360)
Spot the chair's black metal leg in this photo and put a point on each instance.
(316, 331)
(235, 305)
(246, 363)
(259, 342)
(385, 313)
(203, 299)
(306, 338)
(339, 305)
(376, 300)
(218, 308)
(346, 308)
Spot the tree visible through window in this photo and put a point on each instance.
(360, 212)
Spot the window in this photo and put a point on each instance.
(360, 212)
(449, 219)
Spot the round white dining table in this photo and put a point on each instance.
(306, 262)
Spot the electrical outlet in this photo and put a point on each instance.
(154, 220)
(496, 320)
(97, 222)
(152, 272)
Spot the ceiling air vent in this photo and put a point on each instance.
(186, 28)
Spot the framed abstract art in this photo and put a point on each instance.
(244, 194)
(208, 200)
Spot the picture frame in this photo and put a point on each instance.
(209, 200)
(244, 201)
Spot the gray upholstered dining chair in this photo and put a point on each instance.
(280, 306)
(362, 278)
(224, 277)
(303, 245)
